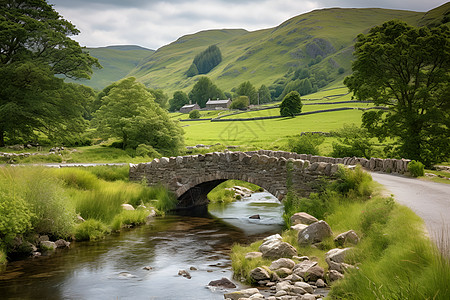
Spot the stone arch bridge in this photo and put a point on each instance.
(192, 177)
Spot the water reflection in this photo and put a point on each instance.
(114, 267)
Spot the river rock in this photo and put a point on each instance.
(255, 217)
(62, 244)
(335, 259)
(127, 206)
(259, 273)
(299, 227)
(224, 282)
(184, 273)
(282, 263)
(241, 294)
(334, 275)
(274, 247)
(48, 245)
(303, 218)
(347, 237)
(307, 287)
(309, 270)
(314, 233)
(283, 272)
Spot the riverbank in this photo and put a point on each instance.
(41, 204)
(393, 259)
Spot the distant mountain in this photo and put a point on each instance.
(320, 41)
(117, 62)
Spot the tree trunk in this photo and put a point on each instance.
(2, 138)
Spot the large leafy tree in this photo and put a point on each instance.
(407, 70)
(203, 90)
(179, 99)
(247, 89)
(264, 94)
(291, 105)
(128, 112)
(34, 47)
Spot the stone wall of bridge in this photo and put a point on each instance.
(191, 177)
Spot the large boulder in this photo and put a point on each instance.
(259, 273)
(336, 259)
(274, 247)
(348, 237)
(241, 294)
(224, 282)
(302, 218)
(314, 233)
(282, 263)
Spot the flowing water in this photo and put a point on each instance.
(114, 268)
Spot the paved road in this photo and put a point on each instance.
(429, 200)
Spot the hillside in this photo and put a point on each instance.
(117, 62)
(264, 56)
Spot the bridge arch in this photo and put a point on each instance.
(192, 177)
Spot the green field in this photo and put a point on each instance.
(265, 133)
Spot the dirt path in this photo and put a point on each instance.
(429, 200)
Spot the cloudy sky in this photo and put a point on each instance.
(155, 23)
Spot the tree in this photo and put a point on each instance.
(194, 114)
(206, 61)
(247, 89)
(291, 105)
(179, 100)
(192, 71)
(160, 97)
(34, 47)
(240, 102)
(264, 94)
(407, 70)
(203, 90)
(130, 113)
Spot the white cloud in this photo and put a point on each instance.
(155, 23)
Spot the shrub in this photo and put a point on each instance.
(353, 183)
(147, 150)
(352, 141)
(194, 114)
(416, 168)
(91, 230)
(306, 144)
(15, 215)
(240, 102)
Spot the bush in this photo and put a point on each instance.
(353, 183)
(240, 102)
(306, 144)
(194, 114)
(416, 168)
(352, 141)
(291, 105)
(147, 150)
(91, 230)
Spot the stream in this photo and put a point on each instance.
(114, 268)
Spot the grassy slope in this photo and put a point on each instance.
(117, 62)
(265, 55)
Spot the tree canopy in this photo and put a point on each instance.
(205, 61)
(291, 105)
(407, 70)
(130, 113)
(264, 94)
(203, 90)
(34, 47)
(178, 100)
(247, 89)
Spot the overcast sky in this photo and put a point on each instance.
(155, 23)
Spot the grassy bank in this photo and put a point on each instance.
(42, 201)
(395, 259)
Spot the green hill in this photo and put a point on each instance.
(117, 62)
(265, 55)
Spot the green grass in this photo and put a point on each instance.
(220, 195)
(442, 176)
(265, 133)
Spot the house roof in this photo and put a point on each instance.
(190, 105)
(218, 101)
